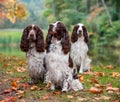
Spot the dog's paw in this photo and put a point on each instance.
(64, 90)
(81, 71)
(52, 87)
(30, 82)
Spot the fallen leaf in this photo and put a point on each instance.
(95, 90)
(48, 85)
(70, 96)
(46, 97)
(109, 67)
(9, 72)
(8, 90)
(115, 75)
(14, 84)
(34, 87)
(105, 97)
(88, 73)
(20, 69)
(99, 86)
(20, 63)
(93, 80)
(115, 89)
(5, 65)
(41, 88)
(24, 85)
(116, 101)
(19, 92)
(81, 78)
(101, 65)
(91, 68)
(22, 100)
(99, 74)
(2, 101)
(14, 88)
(82, 99)
(57, 93)
(10, 99)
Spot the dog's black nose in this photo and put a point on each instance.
(80, 31)
(31, 35)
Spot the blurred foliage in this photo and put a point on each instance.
(13, 10)
(90, 12)
(34, 15)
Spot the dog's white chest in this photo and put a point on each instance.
(78, 50)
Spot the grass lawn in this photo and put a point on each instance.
(14, 87)
(12, 36)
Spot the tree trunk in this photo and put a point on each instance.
(53, 8)
(107, 11)
(88, 4)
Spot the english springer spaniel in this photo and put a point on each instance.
(79, 48)
(57, 59)
(32, 42)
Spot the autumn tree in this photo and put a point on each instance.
(12, 10)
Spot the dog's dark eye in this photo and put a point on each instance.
(35, 28)
(59, 38)
(76, 27)
(55, 36)
(30, 27)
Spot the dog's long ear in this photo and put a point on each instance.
(70, 62)
(65, 40)
(48, 38)
(85, 33)
(24, 44)
(74, 36)
(39, 40)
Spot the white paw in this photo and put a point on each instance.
(65, 90)
(81, 71)
(52, 87)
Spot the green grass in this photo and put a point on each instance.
(10, 36)
(10, 41)
(8, 72)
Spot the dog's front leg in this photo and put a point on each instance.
(52, 87)
(81, 65)
(65, 86)
(33, 81)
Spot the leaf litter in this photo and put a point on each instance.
(96, 90)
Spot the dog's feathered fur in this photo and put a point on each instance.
(32, 42)
(57, 59)
(79, 48)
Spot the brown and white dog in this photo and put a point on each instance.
(57, 59)
(32, 42)
(79, 48)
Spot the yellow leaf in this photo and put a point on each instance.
(70, 96)
(20, 69)
(81, 78)
(48, 85)
(115, 74)
(34, 87)
(109, 67)
(19, 92)
(14, 84)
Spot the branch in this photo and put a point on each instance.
(108, 14)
